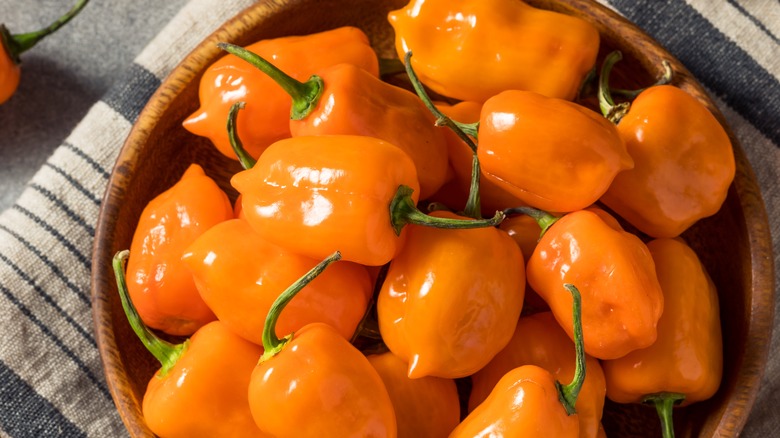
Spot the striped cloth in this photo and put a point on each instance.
(51, 381)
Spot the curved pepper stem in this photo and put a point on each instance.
(271, 343)
(543, 219)
(305, 95)
(403, 211)
(464, 131)
(473, 209)
(568, 393)
(664, 404)
(19, 43)
(612, 111)
(246, 160)
(163, 351)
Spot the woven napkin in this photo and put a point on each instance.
(51, 380)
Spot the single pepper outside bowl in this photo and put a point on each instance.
(734, 244)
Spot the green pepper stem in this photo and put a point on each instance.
(271, 343)
(473, 208)
(543, 219)
(664, 404)
(403, 211)
(612, 111)
(305, 95)
(568, 393)
(463, 130)
(246, 160)
(165, 352)
(19, 43)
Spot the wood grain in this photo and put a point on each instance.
(734, 244)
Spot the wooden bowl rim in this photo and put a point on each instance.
(746, 186)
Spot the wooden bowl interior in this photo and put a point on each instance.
(733, 245)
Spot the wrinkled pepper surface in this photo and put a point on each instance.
(475, 49)
(685, 364)
(160, 284)
(447, 309)
(621, 297)
(239, 275)
(529, 401)
(539, 340)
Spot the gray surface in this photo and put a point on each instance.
(65, 74)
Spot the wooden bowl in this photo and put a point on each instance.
(734, 244)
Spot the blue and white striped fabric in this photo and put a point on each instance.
(51, 381)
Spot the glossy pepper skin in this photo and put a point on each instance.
(621, 297)
(205, 393)
(319, 385)
(267, 113)
(201, 387)
(687, 357)
(445, 307)
(355, 102)
(11, 46)
(553, 154)
(524, 403)
(313, 195)
(239, 275)
(684, 163)
(529, 401)
(427, 407)
(160, 284)
(492, 196)
(507, 45)
(539, 340)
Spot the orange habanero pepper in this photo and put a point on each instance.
(539, 340)
(427, 407)
(553, 154)
(268, 105)
(239, 275)
(507, 45)
(11, 46)
(314, 195)
(528, 401)
(314, 383)
(622, 300)
(160, 284)
(451, 299)
(683, 159)
(201, 389)
(685, 364)
(346, 100)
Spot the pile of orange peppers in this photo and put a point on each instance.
(354, 289)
